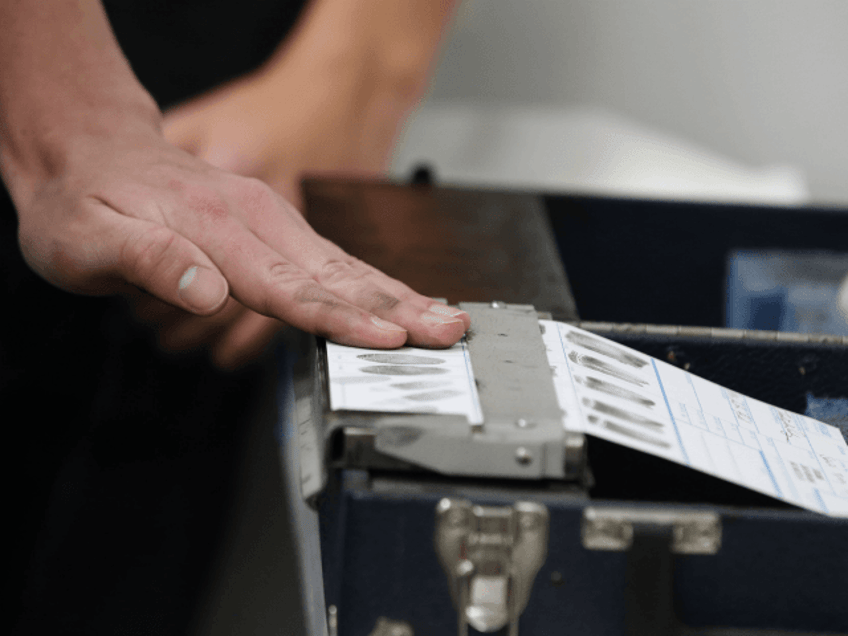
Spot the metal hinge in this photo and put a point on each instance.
(491, 555)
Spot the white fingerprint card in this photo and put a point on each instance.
(406, 380)
(624, 396)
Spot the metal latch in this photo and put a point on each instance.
(692, 531)
(491, 555)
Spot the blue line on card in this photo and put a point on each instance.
(726, 396)
(695, 392)
(771, 475)
(820, 500)
(670, 414)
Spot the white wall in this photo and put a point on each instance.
(760, 81)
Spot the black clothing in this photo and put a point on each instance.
(180, 48)
(122, 457)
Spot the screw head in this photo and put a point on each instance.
(523, 456)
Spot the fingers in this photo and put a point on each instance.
(429, 323)
(167, 265)
(355, 283)
(397, 288)
(345, 277)
(262, 279)
(275, 264)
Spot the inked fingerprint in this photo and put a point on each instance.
(608, 409)
(603, 367)
(430, 396)
(627, 432)
(358, 379)
(613, 389)
(391, 369)
(604, 347)
(399, 358)
(420, 384)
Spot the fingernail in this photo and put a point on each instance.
(437, 319)
(444, 310)
(384, 324)
(202, 289)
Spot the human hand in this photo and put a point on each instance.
(337, 124)
(280, 124)
(131, 209)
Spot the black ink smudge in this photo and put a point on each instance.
(390, 369)
(430, 396)
(357, 379)
(420, 384)
(399, 358)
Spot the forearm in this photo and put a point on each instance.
(63, 79)
(386, 45)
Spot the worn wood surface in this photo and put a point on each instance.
(463, 245)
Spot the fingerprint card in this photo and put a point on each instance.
(621, 395)
(406, 380)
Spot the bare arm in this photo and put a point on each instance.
(356, 69)
(104, 201)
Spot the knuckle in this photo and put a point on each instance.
(208, 204)
(283, 273)
(337, 271)
(147, 252)
(382, 302)
(311, 293)
(255, 195)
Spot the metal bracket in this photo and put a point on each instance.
(651, 538)
(692, 531)
(491, 555)
(389, 627)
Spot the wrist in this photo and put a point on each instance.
(47, 140)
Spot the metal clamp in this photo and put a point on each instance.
(491, 555)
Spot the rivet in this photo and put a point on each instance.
(523, 456)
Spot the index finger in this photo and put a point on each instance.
(429, 323)
(262, 279)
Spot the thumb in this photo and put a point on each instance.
(169, 266)
(179, 129)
